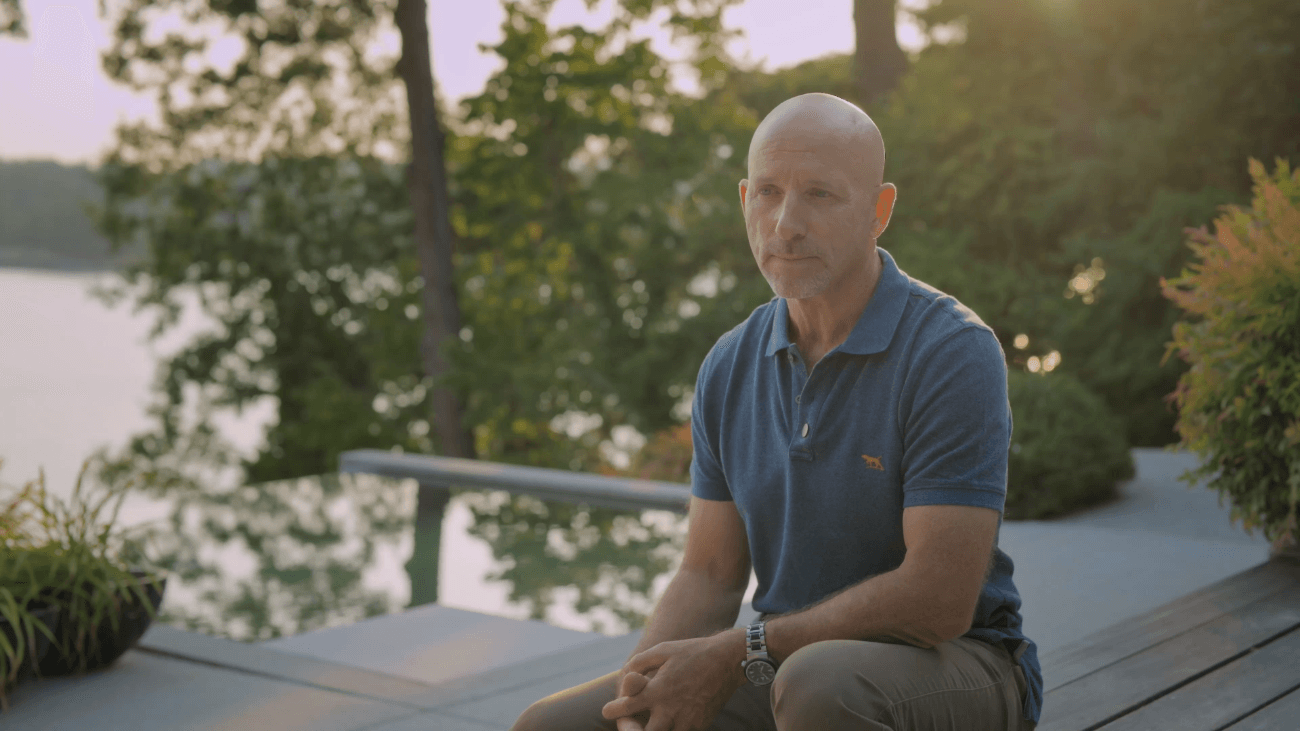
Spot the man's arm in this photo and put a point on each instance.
(702, 600)
(705, 595)
(930, 598)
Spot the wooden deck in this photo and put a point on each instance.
(1224, 657)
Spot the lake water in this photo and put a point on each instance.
(75, 376)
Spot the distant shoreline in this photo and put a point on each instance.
(41, 269)
(58, 266)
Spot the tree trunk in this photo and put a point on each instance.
(426, 555)
(427, 183)
(878, 61)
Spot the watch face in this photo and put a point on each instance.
(760, 672)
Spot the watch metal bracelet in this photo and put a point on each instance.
(758, 665)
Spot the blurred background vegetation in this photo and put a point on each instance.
(1049, 155)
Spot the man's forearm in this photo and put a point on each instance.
(693, 605)
(883, 608)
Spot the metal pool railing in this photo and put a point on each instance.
(540, 482)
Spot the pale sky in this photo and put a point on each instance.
(56, 103)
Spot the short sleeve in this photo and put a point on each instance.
(956, 423)
(707, 479)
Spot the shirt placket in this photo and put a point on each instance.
(802, 427)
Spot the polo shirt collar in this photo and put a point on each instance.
(875, 327)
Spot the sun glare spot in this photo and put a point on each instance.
(1051, 361)
(1034, 364)
(1021, 342)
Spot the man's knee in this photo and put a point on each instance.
(814, 684)
(576, 708)
(532, 719)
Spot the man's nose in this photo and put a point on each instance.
(790, 225)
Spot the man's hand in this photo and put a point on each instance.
(630, 685)
(693, 680)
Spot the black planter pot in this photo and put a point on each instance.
(132, 621)
(34, 655)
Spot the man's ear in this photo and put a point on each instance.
(744, 189)
(885, 200)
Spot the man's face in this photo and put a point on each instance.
(808, 212)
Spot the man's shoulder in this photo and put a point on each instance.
(937, 317)
(728, 348)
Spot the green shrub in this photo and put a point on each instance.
(1239, 403)
(1068, 450)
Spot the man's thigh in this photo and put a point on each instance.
(847, 684)
(578, 709)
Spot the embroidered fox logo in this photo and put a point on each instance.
(873, 463)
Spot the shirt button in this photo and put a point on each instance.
(797, 399)
(805, 430)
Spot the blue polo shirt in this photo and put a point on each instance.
(911, 409)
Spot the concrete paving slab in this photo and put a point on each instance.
(586, 662)
(433, 644)
(148, 692)
(1155, 501)
(260, 660)
(433, 721)
(501, 710)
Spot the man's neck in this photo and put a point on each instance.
(819, 324)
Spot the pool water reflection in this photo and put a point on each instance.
(291, 556)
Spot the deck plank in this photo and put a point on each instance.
(1149, 673)
(1226, 695)
(1280, 715)
(1123, 639)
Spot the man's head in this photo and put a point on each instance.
(814, 202)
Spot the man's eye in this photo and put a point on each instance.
(765, 190)
(821, 194)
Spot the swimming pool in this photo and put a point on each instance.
(286, 557)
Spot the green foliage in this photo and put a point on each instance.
(1067, 450)
(582, 225)
(589, 196)
(270, 194)
(19, 638)
(70, 555)
(1239, 403)
(305, 263)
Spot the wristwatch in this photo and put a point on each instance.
(759, 668)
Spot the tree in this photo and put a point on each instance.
(878, 61)
(273, 191)
(268, 189)
(433, 237)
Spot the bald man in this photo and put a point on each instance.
(851, 441)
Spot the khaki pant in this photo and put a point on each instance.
(963, 684)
